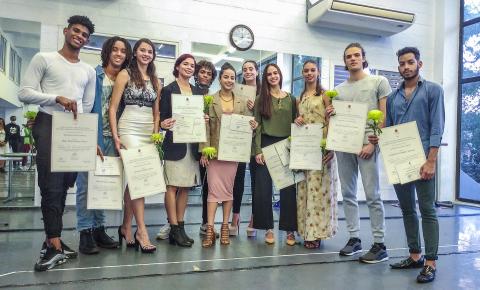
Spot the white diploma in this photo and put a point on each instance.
(402, 149)
(282, 176)
(144, 171)
(235, 142)
(105, 185)
(74, 142)
(245, 92)
(305, 150)
(189, 119)
(346, 128)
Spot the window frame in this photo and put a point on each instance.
(3, 48)
(461, 82)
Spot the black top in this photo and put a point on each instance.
(174, 151)
(12, 132)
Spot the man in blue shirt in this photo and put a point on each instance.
(418, 100)
(116, 55)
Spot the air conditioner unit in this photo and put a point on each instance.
(357, 17)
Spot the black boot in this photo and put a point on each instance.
(87, 243)
(181, 225)
(103, 240)
(176, 238)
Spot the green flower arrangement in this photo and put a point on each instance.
(323, 145)
(207, 101)
(375, 118)
(331, 94)
(157, 139)
(209, 152)
(30, 115)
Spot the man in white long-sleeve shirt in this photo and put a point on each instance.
(57, 81)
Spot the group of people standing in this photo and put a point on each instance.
(132, 104)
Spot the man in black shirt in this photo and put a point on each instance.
(13, 137)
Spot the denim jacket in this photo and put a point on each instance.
(97, 104)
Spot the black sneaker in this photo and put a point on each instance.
(69, 253)
(376, 254)
(103, 240)
(408, 263)
(51, 258)
(427, 274)
(87, 245)
(353, 246)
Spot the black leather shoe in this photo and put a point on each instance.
(408, 263)
(176, 238)
(103, 240)
(87, 243)
(427, 274)
(181, 225)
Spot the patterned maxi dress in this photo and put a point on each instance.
(317, 195)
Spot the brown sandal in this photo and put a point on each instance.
(225, 234)
(312, 244)
(209, 239)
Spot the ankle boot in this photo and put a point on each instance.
(175, 237)
(87, 243)
(181, 225)
(103, 240)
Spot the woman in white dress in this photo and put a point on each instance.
(139, 89)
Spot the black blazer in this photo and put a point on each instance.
(174, 151)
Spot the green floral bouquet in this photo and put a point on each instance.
(30, 115)
(207, 101)
(323, 145)
(331, 94)
(209, 152)
(375, 118)
(157, 139)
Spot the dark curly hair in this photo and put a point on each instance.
(108, 47)
(357, 45)
(205, 65)
(409, 49)
(82, 20)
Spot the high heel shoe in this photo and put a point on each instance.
(251, 232)
(291, 239)
(209, 239)
(269, 237)
(234, 228)
(176, 238)
(121, 236)
(224, 235)
(145, 249)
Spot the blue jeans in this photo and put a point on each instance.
(348, 167)
(88, 219)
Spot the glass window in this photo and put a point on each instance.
(471, 9)
(468, 178)
(3, 52)
(297, 67)
(164, 50)
(18, 69)
(11, 68)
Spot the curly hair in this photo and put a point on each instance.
(82, 20)
(409, 49)
(108, 47)
(205, 65)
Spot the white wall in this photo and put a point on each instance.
(278, 25)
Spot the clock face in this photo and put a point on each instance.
(241, 37)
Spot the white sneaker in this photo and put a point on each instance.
(163, 232)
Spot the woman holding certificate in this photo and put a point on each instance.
(138, 88)
(182, 170)
(317, 194)
(221, 174)
(275, 110)
(250, 78)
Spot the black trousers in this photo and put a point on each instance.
(203, 176)
(16, 145)
(262, 199)
(239, 184)
(53, 185)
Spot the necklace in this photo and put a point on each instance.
(226, 101)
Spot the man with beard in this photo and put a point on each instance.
(57, 81)
(116, 55)
(417, 99)
(372, 90)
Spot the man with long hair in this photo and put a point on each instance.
(371, 90)
(116, 55)
(57, 81)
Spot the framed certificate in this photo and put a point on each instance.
(346, 129)
(245, 92)
(144, 171)
(402, 152)
(105, 185)
(189, 119)
(74, 142)
(235, 142)
(305, 150)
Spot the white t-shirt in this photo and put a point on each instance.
(50, 75)
(369, 90)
